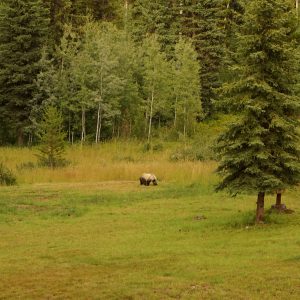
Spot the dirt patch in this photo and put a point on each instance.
(29, 207)
(281, 209)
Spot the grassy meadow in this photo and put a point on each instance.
(90, 231)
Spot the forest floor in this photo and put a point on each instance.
(119, 240)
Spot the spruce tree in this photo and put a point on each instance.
(204, 22)
(159, 17)
(260, 151)
(52, 146)
(23, 29)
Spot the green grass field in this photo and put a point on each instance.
(90, 238)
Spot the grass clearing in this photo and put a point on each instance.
(90, 231)
(119, 240)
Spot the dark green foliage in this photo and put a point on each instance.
(260, 150)
(204, 22)
(159, 17)
(51, 134)
(75, 12)
(23, 29)
(6, 176)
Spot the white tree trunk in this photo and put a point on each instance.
(150, 116)
(69, 133)
(98, 123)
(175, 112)
(146, 116)
(184, 121)
(99, 115)
(83, 133)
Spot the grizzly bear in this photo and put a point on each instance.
(147, 178)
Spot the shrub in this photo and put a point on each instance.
(26, 166)
(6, 176)
(146, 147)
(158, 147)
(187, 154)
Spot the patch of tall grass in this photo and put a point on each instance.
(116, 160)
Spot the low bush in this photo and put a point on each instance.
(46, 162)
(197, 151)
(158, 147)
(6, 176)
(26, 166)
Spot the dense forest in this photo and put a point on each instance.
(121, 69)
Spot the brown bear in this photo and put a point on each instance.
(147, 178)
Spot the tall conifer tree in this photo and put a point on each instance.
(260, 151)
(204, 22)
(159, 17)
(23, 29)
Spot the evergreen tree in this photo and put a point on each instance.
(60, 11)
(158, 17)
(51, 135)
(55, 84)
(260, 151)
(204, 22)
(76, 12)
(105, 10)
(23, 30)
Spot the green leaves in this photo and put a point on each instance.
(23, 31)
(260, 152)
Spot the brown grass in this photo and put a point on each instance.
(107, 162)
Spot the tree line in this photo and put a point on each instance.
(114, 68)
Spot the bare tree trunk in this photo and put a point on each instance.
(297, 8)
(278, 199)
(98, 123)
(175, 112)
(184, 121)
(20, 137)
(83, 132)
(260, 209)
(72, 137)
(126, 16)
(100, 127)
(146, 117)
(30, 139)
(69, 133)
(99, 114)
(113, 128)
(150, 116)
